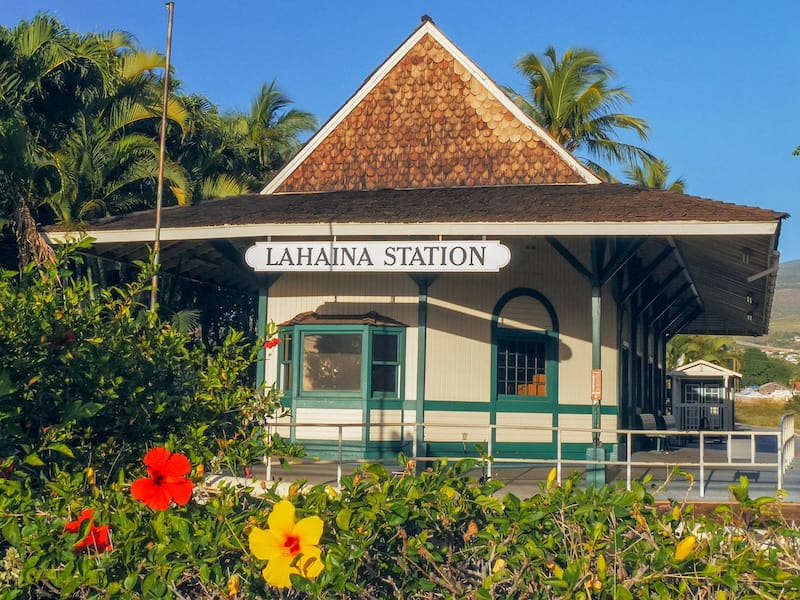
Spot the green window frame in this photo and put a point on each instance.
(285, 370)
(321, 361)
(386, 364)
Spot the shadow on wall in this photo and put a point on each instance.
(461, 324)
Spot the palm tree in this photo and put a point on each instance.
(45, 70)
(105, 170)
(654, 175)
(272, 128)
(82, 112)
(216, 155)
(720, 350)
(573, 98)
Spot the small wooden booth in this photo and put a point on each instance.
(702, 396)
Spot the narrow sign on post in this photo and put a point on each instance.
(597, 385)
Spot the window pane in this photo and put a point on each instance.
(384, 379)
(332, 362)
(384, 347)
(287, 348)
(521, 368)
(286, 363)
(287, 377)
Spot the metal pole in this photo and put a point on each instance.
(339, 462)
(160, 190)
(490, 450)
(596, 360)
(558, 455)
(628, 442)
(702, 465)
(780, 460)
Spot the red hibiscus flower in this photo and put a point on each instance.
(96, 539)
(7, 469)
(65, 339)
(272, 343)
(166, 481)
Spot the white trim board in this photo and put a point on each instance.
(402, 230)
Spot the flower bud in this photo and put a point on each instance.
(685, 547)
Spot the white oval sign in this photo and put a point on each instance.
(448, 256)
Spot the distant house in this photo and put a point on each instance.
(776, 391)
(769, 391)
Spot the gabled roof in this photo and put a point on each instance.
(428, 117)
(314, 318)
(704, 368)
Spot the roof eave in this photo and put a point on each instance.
(409, 229)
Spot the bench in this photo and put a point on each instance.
(670, 424)
(649, 424)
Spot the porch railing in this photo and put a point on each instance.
(716, 415)
(784, 436)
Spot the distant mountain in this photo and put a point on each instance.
(786, 304)
(789, 275)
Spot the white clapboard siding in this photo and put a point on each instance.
(524, 435)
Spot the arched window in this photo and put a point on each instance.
(524, 333)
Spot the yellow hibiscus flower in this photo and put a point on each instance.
(288, 547)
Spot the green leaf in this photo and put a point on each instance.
(483, 594)
(764, 500)
(489, 502)
(61, 448)
(343, 518)
(621, 593)
(82, 410)
(6, 387)
(34, 460)
(11, 532)
(398, 516)
(378, 470)
(130, 581)
(740, 492)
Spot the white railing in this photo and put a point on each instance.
(693, 416)
(741, 446)
(788, 437)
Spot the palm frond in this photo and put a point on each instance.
(186, 321)
(222, 186)
(571, 97)
(138, 62)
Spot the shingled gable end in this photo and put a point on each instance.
(428, 117)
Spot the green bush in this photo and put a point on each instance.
(437, 534)
(89, 377)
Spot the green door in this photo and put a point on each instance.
(525, 370)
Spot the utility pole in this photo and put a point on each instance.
(162, 149)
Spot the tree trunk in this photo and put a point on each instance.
(31, 246)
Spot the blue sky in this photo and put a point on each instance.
(717, 80)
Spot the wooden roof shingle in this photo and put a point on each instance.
(607, 202)
(428, 118)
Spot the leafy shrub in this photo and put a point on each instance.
(89, 377)
(436, 534)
